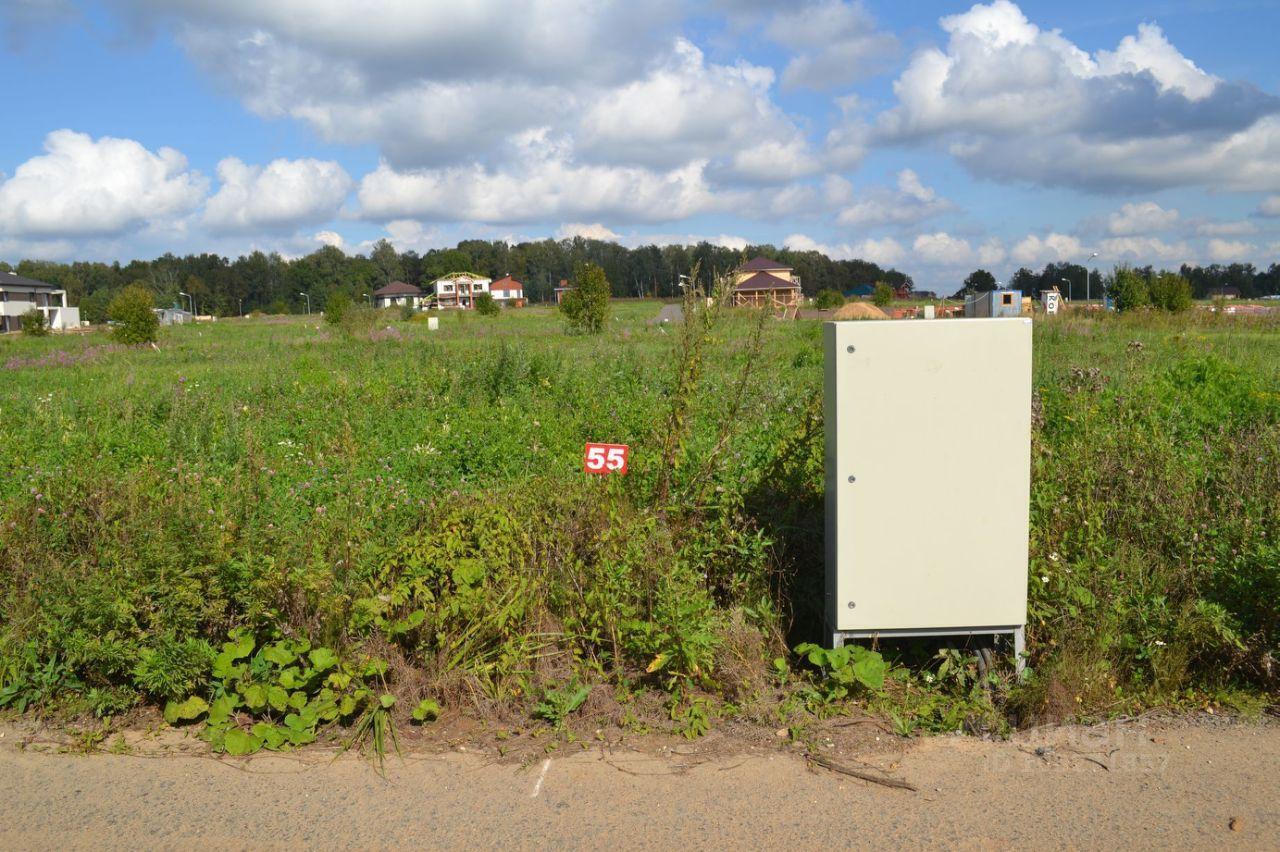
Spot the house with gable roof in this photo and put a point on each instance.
(765, 283)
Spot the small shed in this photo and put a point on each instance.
(173, 316)
(562, 289)
(994, 303)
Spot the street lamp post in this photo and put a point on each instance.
(193, 301)
(1086, 277)
(308, 298)
(1067, 281)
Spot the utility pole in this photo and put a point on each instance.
(308, 297)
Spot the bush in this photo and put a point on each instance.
(132, 313)
(828, 299)
(1128, 289)
(486, 305)
(336, 308)
(883, 296)
(35, 323)
(1170, 292)
(586, 306)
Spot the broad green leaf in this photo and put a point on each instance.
(387, 700)
(300, 737)
(347, 705)
(221, 709)
(184, 711)
(339, 680)
(272, 737)
(240, 646)
(295, 722)
(870, 668)
(238, 743)
(298, 700)
(279, 654)
(255, 696)
(277, 698)
(323, 659)
(225, 668)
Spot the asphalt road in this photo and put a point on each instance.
(1153, 785)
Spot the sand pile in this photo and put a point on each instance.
(860, 311)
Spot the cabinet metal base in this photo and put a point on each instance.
(839, 637)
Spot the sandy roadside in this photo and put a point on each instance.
(1155, 784)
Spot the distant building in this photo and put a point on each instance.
(508, 291)
(861, 291)
(765, 283)
(561, 290)
(459, 290)
(397, 293)
(19, 295)
(994, 303)
(1224, 293)
(173, 316)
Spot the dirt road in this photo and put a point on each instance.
(1140, 785)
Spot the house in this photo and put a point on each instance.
(861, 291)
(766, 283)
(397, 293)
(19, 295)
(994, 303)
(562, 289)
(459, 290)
(1224, 292)
(508, 291)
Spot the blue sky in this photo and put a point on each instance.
(934, 137)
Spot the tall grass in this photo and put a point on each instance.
(420, 497)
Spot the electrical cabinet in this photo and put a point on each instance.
(928, 474)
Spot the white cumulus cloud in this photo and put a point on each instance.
(594, 231)
(910, 203)
(1051, 248)
(1143, 218)
(1015, 102)
(836, 43)
(1230, 251)
(85, 187)
(283, 194)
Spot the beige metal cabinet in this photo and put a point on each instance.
(928, 466)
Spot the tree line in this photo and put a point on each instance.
(1077, 281)
(274, 284)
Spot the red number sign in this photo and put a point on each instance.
(605, 458)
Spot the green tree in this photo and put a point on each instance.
(132, 311)
(827, 299)
(586, 306)
(1129, 289)
(1170, 292)
(35, 323)
(486, 305)
(337, 307)
(979, 281)
(883, 295)
(387, 260)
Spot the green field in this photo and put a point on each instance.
(198, 521)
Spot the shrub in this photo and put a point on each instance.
(828, 299)
(1128, 289)
(35, 323)
(1170, 292)
(586, 306)
(883, 295)
(336, 308)
(486, 305)
(132, 313)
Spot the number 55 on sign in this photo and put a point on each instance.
(605, 458)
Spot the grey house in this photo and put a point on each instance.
(19, 295)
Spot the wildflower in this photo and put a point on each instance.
(1044, 579)
(1159, 644)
